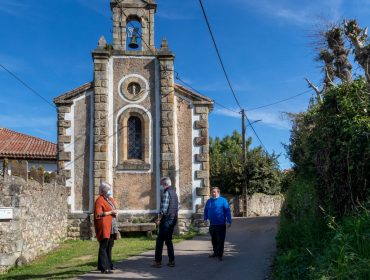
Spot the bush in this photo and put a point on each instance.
(330, 142)
(300, 232)
(313, 245)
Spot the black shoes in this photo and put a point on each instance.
(156, 264)
(171, 264)
(215, 256)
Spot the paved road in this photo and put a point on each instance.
(249, 249)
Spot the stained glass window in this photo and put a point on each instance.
(134, 146)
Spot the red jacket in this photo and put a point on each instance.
(103, 224)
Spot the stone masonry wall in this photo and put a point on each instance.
(168, 165)
(39, 223)
(259, 205)
(101, 131)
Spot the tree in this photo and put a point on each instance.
(227, 170)
(330, 143)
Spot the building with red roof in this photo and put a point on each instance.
(19, 146)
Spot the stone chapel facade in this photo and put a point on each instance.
(133, 125)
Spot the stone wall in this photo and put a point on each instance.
(39, 221)
(259, 205)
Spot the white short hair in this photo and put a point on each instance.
(166, 180)
(104, 187)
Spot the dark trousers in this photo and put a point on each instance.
(105, 253)
(165, 235)
(218, 233)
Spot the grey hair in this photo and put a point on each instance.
(216, 188)
(166, 180)
(104, 187)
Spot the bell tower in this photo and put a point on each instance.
(133, 25)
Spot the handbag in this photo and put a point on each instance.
(117, 236)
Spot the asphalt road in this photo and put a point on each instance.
(249, 250)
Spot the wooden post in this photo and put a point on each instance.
(245, 188)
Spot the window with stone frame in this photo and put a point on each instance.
(135, 138)
(133, 141)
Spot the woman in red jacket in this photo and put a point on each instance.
(105, 227)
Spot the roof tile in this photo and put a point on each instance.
(18, 145)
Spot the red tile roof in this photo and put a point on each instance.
(21, 146)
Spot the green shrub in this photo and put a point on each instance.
(330, 142)
(313, 244)
(299, 236)
(347, 254)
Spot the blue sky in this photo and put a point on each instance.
(267, 48)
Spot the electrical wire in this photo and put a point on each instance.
(225, 73)
(218, 54)
(27, 86)
(279, 101)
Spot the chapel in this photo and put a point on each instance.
(131, 125)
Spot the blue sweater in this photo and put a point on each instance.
(217, 211)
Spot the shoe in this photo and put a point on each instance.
(171, 264)
(156, 264)
(212, 255)
(107, 271)
(220, 258)
(113, 268)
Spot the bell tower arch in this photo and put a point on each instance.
(133, 25)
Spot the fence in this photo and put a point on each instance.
(20, 168)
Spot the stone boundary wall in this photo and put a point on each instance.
(259, 205)
(39, 221)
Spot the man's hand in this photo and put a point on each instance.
(228, 225)
(205, 223)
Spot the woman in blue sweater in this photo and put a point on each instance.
(217, 211)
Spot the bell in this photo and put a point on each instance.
(133, 44)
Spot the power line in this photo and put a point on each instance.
(255, 133)
(27, 86)
(224, 70)
(218, 54)
(192, 88)
(177, 73)
(280, 101)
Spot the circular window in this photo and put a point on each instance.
(134, 89)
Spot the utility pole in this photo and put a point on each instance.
(245, 190)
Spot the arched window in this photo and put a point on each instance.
(133, 31)
(135, 139)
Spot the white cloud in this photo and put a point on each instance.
(269, 118)
(12, 7)
(303, 12)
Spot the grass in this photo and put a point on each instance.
(76, 257)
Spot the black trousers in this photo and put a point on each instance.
(165, 236)
(105, 253)
(218, 233)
